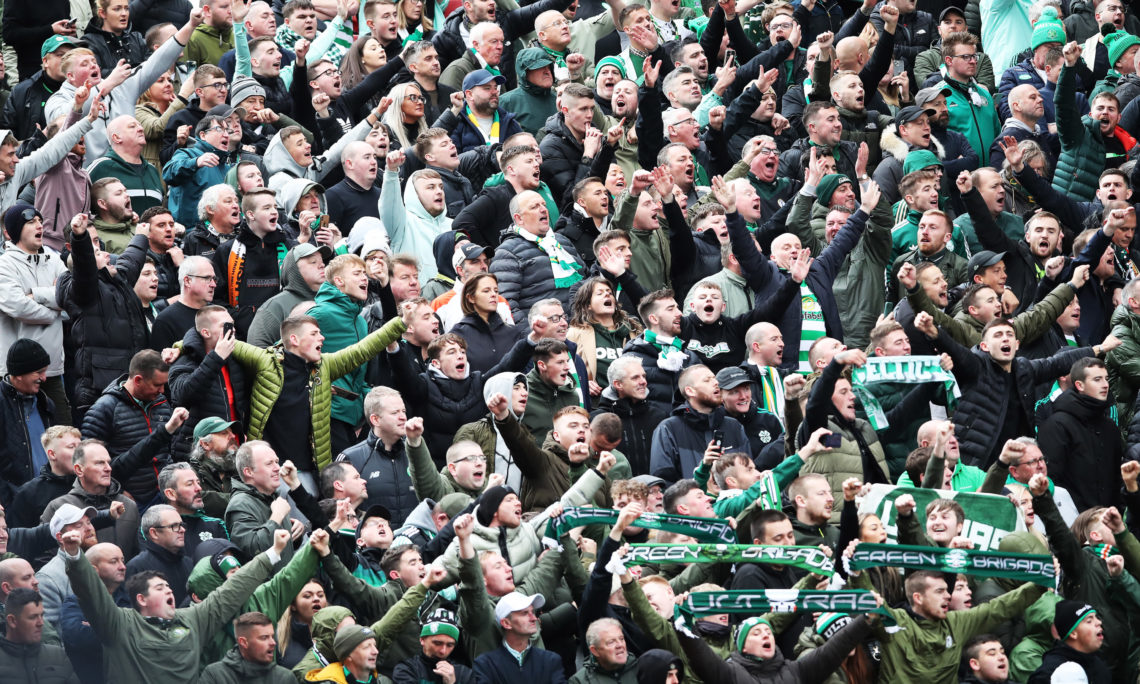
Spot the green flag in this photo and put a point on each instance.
(989, 517)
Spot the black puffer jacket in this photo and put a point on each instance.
(638, 421)
(1084, 451)
(196, 382)
(24, 110)
(387, 475)
(1095, 669)
(122, 422)
(562, 165)
(525, 274)
(148, 13)
(983, 408)
(35, 495)
(420, 669)
(16, 465)
(110, 48)
(914, 33)
(487, 341)
(446, 404)
(109, 325)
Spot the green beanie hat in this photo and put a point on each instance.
(612, 61)
(1118, 43)
(916, 160)
(1048, 29)
(746, 627)
(828, 186)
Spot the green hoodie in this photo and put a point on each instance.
(530, 104)
(207, 45)
(342, 325)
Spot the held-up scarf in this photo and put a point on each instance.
(1023, 567)
(672, 351)
(564, 266)
(808, 558)
(712, 531)
(762, 601)
(909, 370)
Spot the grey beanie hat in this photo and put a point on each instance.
(244, 87)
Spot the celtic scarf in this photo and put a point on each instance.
(493, 137)
(809, 558)
(757, 602)
(712, 531)
(908, 370)
(1104, 551)
(672, 356)
(563, 265)
(1023, 567)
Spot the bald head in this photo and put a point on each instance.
(109, 564)
(16, 573)
(127, 137)
(851, 53)
(360, 163)
(101, 552)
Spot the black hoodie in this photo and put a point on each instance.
(653, 666)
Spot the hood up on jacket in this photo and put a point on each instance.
(654, 665)
(420, 517)
(369, 235)
(292, 192)
(291, 278)
(503, 383)
(277, 159)
(533, 59)
(444, 249)
(324, 627)
(892, 144)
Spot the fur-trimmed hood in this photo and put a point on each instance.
(895, 146)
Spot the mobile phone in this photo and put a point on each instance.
(324, 220)
(899, 67)
(227, 329)
(832, 441)
(729, 57)
(72, 23)
(718, 437)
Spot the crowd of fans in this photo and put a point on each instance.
(464, 341)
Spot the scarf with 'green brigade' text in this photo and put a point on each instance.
(1023, 567)
(708, 530)
(809, 558)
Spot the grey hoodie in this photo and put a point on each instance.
(282, 167)
(503, 383)
(266, 327)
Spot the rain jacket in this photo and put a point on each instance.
(342, 325)
(531, 105)
(187, 181)
(410, 227)
(1082, 144)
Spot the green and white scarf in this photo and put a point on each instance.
(708, 530)
(672, 350)
(565, 267)
(809, 558)
(907, 370)
(812, 325)
(1023, 567)
(758, 602)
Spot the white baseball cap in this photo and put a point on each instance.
(68, 514)
(514, 602)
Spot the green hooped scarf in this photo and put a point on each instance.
(1023, 567)
(761, 601)
(713, 531)
(908, 370)
(809, 558)
(566, 269)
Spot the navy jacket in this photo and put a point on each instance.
(679, 443)
(500, 667)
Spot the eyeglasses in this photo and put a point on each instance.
(780, 26)
(415, 98)
(214, 129)
(220, 85)
(558, 24)
(474, 459)
(326, 72)
(177, 527)
(1032, 462)
(766, 151)
(556, 318)
(686, 122)
(972, 57)
(209, 279)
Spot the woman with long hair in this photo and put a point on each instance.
(293, 629)
(111, 37)
(600, 328)
(488, 336)
(365, 56)
(154, 109)
(405, 118)
(414, 22)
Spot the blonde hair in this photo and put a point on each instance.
(342, 263)
(393, 117)
(56, 432)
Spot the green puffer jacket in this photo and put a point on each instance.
(592, 673)
(1084, 577)
(1025, 657)
(233, 669)
(268, 365)
(858, 286)
(1124, 361)
(1082, 144)
(271, 598)
(343, 326)
(929, 651)
(1028, 325)
(809, 641)
(139, 650)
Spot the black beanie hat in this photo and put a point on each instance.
(489, 503)
(1069, 615)
(26, 356)
(14, 220)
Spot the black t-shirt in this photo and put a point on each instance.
(289, 425)
(171, 325)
